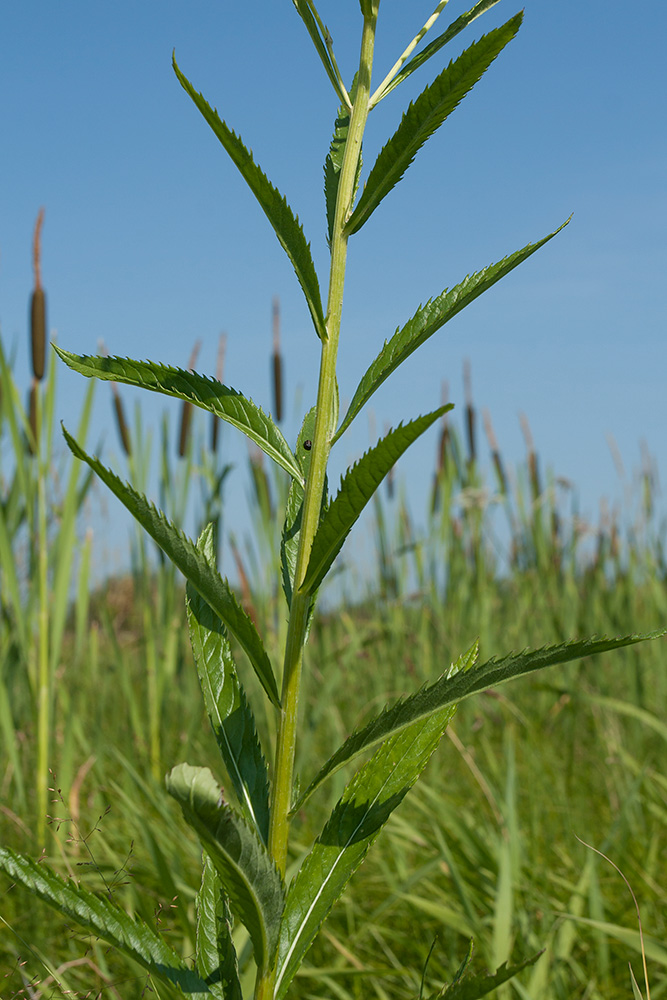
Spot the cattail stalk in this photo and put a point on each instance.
(495, 453)
(186, 411)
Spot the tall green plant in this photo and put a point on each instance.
(245, 828)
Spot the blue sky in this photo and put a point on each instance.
(151, 240)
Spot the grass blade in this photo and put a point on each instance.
(357, 487)
(246, 870)
(449, 690)
(285, 224)
(207, 393)
(228, 710)
(426, 115)
(184, 554)
(428, 319)
(130, 935)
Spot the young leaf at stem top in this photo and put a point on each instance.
(322, 42)
(193, 565)
(448, 690)
(207, 393)
(427, 114)
(286, 226)
(427, 320)
(334, 163)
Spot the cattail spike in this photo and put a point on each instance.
(186, 410)
(470, 413)
(38, 305)
(121, 422)
(277, 363)
(495, 452)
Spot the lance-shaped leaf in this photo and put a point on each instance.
(427, 320)
(228, 710)
(216, 956)
(451, 690)
(334, 164)
(247, 872)
(286, 226)
(193, 565)
(103, 918)
(322, 45)
(427, 114)
(207, 393)
(430, 50)
(357, 487)
(366, 804)
(474, 986)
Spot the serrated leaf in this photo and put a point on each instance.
(285, 224)
(228, 710)
(129, 935)
(357, 487)
(452, 690)
(365, 806)
(207, 393)
(184, 554)
(216, 956)
(334, 164)
(428, 320)
(472, 987)
(247, 872)
(427, 114)
(430, 50)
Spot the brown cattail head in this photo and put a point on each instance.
(33, 436)
(121, 422)
(186, 411)
(470, 413)
(533, 471)
(38, 305)
(277, 363)
(495, 453)
(219, 372)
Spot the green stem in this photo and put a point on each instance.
(44, 682)
(312, 504)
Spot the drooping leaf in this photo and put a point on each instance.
(193, 565)
(285, 224)
(357, 487)
(247, 872)
(427, 320)
(98, 914)
(207, 393)
(430, 50)
(448, 691)
(216, 956)
(228, 710)
(334, 163)
(427, 114)
(305, 13)
(472, 987)
(371, 796)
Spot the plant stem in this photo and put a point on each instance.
(324, 431)
(45, 682)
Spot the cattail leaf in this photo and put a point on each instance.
(247, 872)
(216, 957)
(106, 920)
(207, 393)
(428, 319)
(427, 114)
(228, 710)
(374, 792)
(285, 224)
(448, 690)
(434, 46)
(193, 565)
(357, 487)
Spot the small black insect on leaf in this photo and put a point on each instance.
(308, 445)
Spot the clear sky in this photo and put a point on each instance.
(152, 241)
